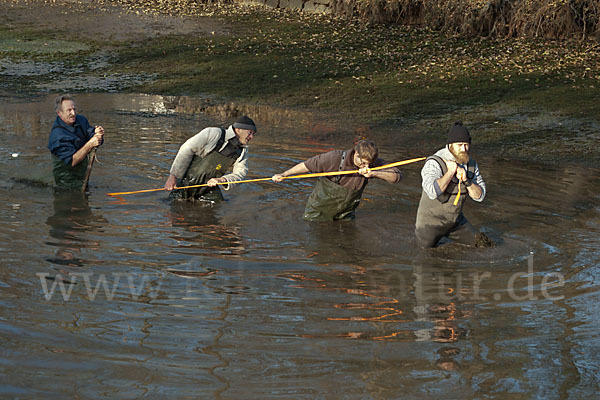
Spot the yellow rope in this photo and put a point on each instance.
(458, 195)
(316, 175)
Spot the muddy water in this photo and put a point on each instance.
(137, 297)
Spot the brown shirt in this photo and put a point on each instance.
(330, 161)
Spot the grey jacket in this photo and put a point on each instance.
(431, 172)
(203, 143)
(432, 212)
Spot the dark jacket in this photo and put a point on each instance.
(65, 139)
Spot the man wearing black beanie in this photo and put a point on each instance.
(446, 173)
(207, 156)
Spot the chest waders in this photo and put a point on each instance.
(202, 169)
(331, 202)
(439, 217)
(68, 177)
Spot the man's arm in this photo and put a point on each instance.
(434, 183)
(475, 192)
(445, 180)
(295, 170)
(390, 175)
(240, 169)
(476, 189)
(171, 182)
(95, 141)
(431, 173)
(197, 144)
(200, 144)
(385, 174)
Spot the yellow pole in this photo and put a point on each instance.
(316, 175)
(458, 195)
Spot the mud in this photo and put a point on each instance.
(88, 21)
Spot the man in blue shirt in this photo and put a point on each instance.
(71, 140)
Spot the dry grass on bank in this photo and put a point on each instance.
(551, 19)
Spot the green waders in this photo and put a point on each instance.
(67, 177)
(200, 171)
(331, 202)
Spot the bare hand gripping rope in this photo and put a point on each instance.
(286, 177)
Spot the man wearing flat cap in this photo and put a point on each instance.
(445, 174)
(206, 157)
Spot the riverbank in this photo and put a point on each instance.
(521, 99)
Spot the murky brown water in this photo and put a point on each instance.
(138, 297)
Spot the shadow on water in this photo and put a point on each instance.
(244, 299)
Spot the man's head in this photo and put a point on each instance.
(459, 142)
(64, 105)
(244, 129)
(365, 153)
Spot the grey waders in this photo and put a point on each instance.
(440, 217)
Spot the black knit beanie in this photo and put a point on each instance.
(245, 123)
(458, 133)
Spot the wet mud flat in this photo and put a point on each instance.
(44, 56)
(139, 296)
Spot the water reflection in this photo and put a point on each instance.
(439, 299)
(206, 231)
(393, 304)
(332, 242)
(72, 218)
(446, 359)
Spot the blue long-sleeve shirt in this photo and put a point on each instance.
(65, 139)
